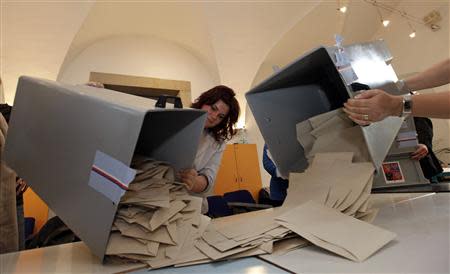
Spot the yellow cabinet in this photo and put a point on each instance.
(239, 169)
(34, 207)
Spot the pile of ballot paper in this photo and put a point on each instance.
(325, 202)
(320, 208)
(159, 223)
(156, 217)
(327, 205)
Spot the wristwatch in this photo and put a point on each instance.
(407, 105)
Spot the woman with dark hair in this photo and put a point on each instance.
(222, 114)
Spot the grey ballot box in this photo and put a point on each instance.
(56, 129)
(311, 85)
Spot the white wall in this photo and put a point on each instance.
(139, 56)
(35, 36)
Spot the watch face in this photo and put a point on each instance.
(407, 104)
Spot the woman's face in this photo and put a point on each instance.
(216, 113)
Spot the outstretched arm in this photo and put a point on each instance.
(375, 105)
(436, 75)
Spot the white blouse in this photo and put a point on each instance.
(207, 163)
(207, 160)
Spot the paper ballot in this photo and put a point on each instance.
(335, 231)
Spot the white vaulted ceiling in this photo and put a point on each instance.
(237, 42)
(230, 38)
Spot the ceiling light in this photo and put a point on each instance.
(385, 22)
(413, 31)
(343, 9)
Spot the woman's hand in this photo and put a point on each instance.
(372, 106)
(95, 84)
(188, 177)
(420, 152)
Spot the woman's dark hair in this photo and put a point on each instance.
(224, 130)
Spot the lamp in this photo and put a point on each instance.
(341, 7)
(413, 31)
(430, 20)
(385, 22)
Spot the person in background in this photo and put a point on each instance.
(424, 153)
(21, 187)
(9, 233)
(222, 114)
(375, 105)
(278, 185)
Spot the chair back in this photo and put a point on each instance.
(239, 196)
(218, 207)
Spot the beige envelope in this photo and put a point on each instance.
(174, 251)
(318, 120)
(160, 235)
(220, 242)
(118, 244)
(215, 254)
(164, 214)
(333, 124)
(246, 224)
(343, 140)
(338, 232)
(351, 180)
(129, 212)
(368, 216)
(357, 203)
(304, 187)
(284, 246)
(323, 160)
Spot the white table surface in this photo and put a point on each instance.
(76, 258)
(250, 265)
(65, 258)
(422, 245)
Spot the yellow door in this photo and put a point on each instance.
(248, 168)
(226, 179)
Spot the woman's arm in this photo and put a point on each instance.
(195, 182)
(203, 180)
(375, 105)
(436, 75)
(432, 105)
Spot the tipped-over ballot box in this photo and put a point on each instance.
(57, 133)
(321, 81)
